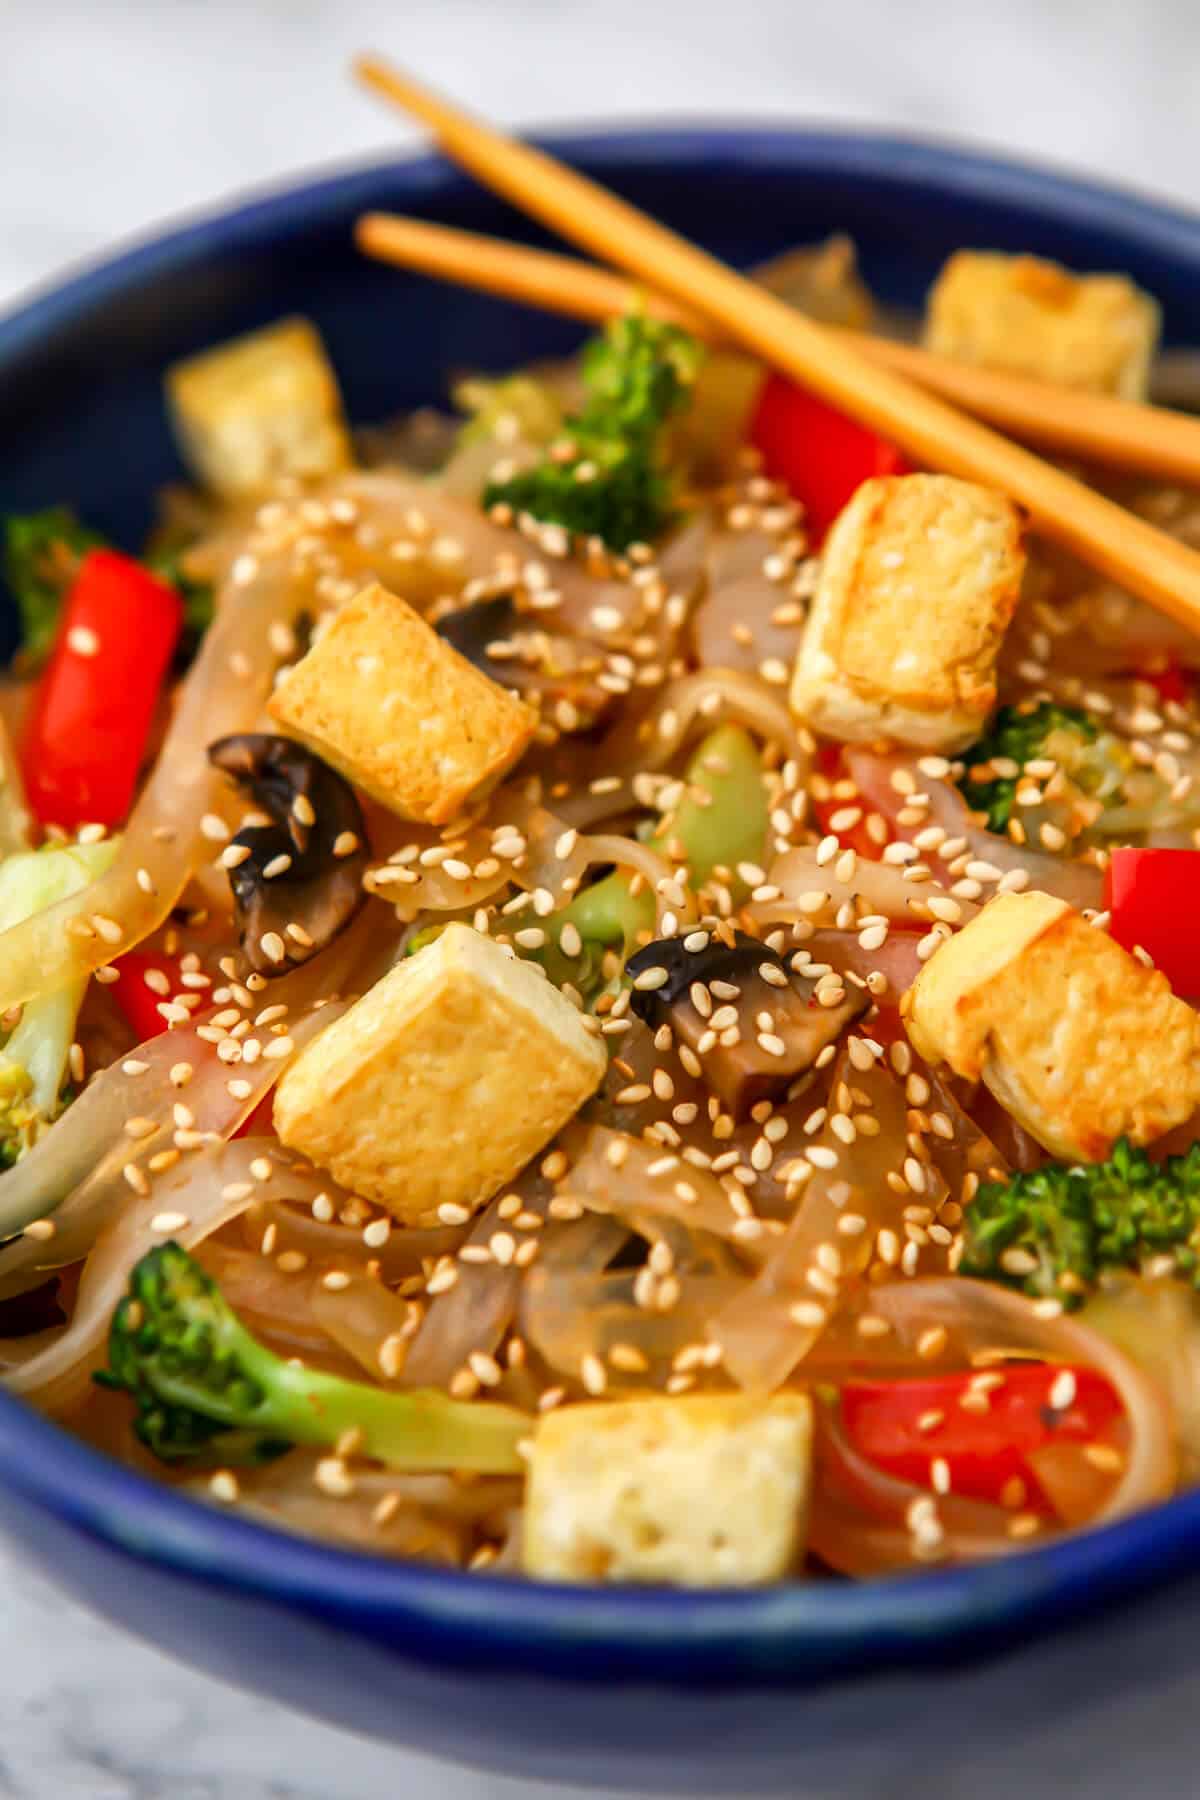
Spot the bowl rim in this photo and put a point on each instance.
(743, 1637)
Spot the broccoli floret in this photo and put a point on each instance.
(206, 1390)
(42, 554)
(1054, 1231)
(33, 1060)
(607, 477)
(1018, 735)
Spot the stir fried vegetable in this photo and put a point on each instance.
(1150, 894)
(983, 1432)
(718, 823)
(207, 1391)
(808, 978)
(42, 555)
(606, 477)
(821, 455)
(33, 1061)
(1054, 1231)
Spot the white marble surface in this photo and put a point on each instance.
(114, 114)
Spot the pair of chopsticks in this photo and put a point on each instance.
(867, 379)
(1122, 434)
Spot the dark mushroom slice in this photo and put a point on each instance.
(300, 880)
(554, 670)
(755, 1022)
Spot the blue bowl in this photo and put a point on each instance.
(819, 1688)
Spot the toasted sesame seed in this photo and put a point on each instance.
(83, 641)
(169, 1221)
(1063, 1390)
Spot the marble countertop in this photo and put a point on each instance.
(116, 114)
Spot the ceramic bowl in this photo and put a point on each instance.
(822, 1689)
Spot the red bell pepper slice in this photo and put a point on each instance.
(821, 455)
(1173, 682)
(903, 1426)
(830, 764)
(137, 1000)
(1153, 896)
(95, 703)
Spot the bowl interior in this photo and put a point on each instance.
(82, 420)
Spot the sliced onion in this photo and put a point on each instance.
(56, 1375)
(874, 887)
(1078, 883)
(362, 1315)
(477, 1311)
(625, 1177)
(761, 1338)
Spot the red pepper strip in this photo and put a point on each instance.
(904, 1426)
(819, 453)
(140, 1005)
(1172, 682)
(1153, 896)
(139, 1002)
(95, 704)
(829, 763)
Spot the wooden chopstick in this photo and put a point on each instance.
(1119, 545)
(1121, 434)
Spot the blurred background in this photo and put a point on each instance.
(118, 114)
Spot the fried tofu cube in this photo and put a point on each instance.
(711, 1491)
(1032, 317)
(1078, 1039)
(442, 1081)
(259, 407)
(919, 579)
(399, 712)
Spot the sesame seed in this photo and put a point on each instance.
(593, 1374)
(169, 1221)
(333, 1478)
(83, 641)
(1063, 1390)
(647, 980)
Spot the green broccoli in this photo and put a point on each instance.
(1054, 1231)
(207, 1391)
(1016, 736)
(721, 821)
(1086, 786)
(33, 1058)
(42, 554)
(607, 477)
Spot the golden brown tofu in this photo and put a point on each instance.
(1032, 317)
(1079, 1040)
(919, 579)
(259, 407)
(710, 1491)
(399, 712)
(442, 1081)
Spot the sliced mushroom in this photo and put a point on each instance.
(760, 1022)
(300, 881)
(555, 670)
